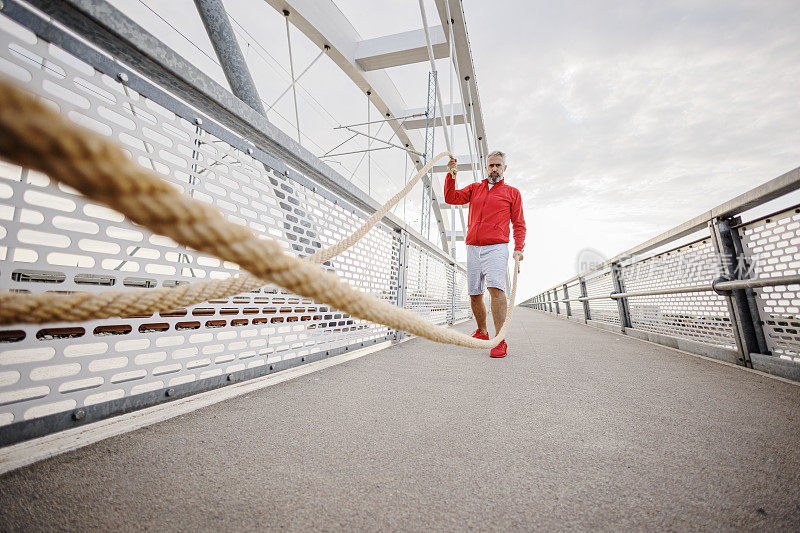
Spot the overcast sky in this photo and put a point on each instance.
(621, 119)
(626, 118)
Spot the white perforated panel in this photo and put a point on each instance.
(700, 316)
(52, 239)
(428, 285)
(604, 310)
(773, 247)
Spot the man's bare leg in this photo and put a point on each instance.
(499, 307)
(478, 311)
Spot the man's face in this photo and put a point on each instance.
(495, 168)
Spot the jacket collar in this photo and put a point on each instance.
(486, 182)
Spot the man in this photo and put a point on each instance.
(492, 206)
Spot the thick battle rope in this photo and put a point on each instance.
(33, 136)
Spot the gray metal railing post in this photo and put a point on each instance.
(555, 297)
(744, 269)
(566, 303)
(587, 315)
(741, 316)
(549, 302)
(733, 312)
(622, 303)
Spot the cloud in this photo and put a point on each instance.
(633, 117)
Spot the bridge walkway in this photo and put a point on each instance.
(577, 428)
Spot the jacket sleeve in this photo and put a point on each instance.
(518, 222)
(455, 196)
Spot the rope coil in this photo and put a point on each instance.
(35, 137)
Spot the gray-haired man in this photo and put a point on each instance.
(493, 205)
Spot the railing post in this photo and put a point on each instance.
(739, 310)
(567, 302)
(743, 267)
(622, 303)
(402, 271)
(555, 297)
(549, 302)
(587, 315)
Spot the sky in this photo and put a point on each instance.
(625, 119)
(621, 120)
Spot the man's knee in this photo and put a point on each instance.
(497, 293)
(476, 297)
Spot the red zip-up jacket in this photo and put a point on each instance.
(490, 211)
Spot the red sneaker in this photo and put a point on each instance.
(499, 350)
(479, 335)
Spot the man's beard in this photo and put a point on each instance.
(494, 178)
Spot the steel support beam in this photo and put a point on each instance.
(457, 234)
(219, 29)
(324, 24)
(399, 49)
(419, 123)
(466, 68)
(464, 164)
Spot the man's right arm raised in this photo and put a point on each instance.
(455, 196)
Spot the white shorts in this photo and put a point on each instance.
(486, 267)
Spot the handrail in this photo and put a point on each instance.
(718, 285)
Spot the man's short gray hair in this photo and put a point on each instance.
(499, 154)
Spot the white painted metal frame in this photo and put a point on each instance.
(364, 62)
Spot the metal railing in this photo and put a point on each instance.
(52, 239)
(733, 293)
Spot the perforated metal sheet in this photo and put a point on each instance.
(773, 248)
(574, 291)
(52, 239)
(701, 316)
(461, 307)
(428, 285)
(602, 284)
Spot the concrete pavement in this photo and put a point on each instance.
(576, 429)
